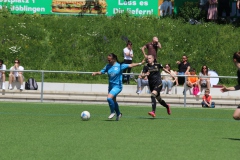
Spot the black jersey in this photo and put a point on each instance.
(154, 77)
(237, 87)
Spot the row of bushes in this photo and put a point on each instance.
(81, 43)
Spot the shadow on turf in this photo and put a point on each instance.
(234, 139)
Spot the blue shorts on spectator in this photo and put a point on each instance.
(204, 105)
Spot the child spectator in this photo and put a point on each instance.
(193, 82)
(207, 100)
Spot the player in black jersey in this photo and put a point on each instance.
(152, 70)
(236, 61)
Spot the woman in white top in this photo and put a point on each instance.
(16, 75)
(168, 80)
(2, 73)
(128, 55)
(204, 81)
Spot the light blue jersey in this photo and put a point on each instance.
(114, 76)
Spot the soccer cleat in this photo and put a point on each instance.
(152, 114)
(169, 110)
(118, 117)
(111, 115)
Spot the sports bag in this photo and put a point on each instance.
(31, 84)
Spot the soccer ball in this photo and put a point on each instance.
(85, 115)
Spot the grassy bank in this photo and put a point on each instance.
(72, 43)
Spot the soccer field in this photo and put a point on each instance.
(43, 131)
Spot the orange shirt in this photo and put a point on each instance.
(207, 99)
(193, 79)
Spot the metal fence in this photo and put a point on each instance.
(42, 72)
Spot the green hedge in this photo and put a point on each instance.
(81, 43)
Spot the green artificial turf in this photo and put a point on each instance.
(43, 131)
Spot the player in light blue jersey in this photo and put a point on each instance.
(114, 70)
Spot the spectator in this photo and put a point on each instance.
(212, 10)
(183, 68)
(152, 48)
(236, 61)
(193, 80)
(141, 83)
(224, 5)
(203, 6)
(128, 55)
(167, 80)
(16, 74)
(2, 74)
(207, 100)
(165, 8)
(204, 80)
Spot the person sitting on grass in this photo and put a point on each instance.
(207, 100)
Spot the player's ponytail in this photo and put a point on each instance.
(114, 56)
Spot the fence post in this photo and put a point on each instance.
(42, 86)
(184, 90)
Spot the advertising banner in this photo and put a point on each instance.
(101, 7)
(134, 7)
(86, 7)
(27, 6)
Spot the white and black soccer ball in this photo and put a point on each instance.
(85, 115)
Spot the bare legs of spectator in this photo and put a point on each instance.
(3, 81)
(19, 79)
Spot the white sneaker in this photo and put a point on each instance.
(162, 92)
(10, 87)
(21, 88)
(169, 92)
(111, 115)
(138, 92)
(3, 87)
(198, 93)
(118, 117)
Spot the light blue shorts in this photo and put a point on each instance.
(114, 90)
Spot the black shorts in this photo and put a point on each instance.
(157, 88)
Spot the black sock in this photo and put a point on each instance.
(153, 104)
(163, 103)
